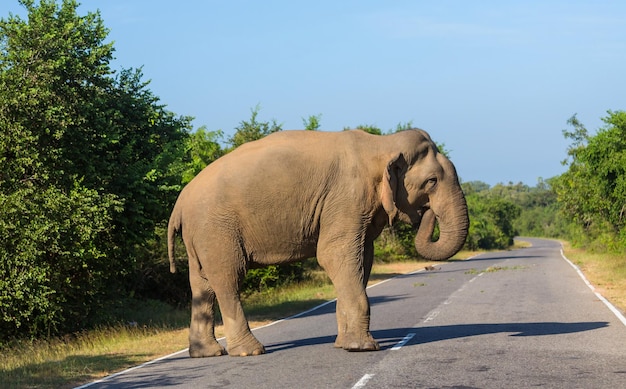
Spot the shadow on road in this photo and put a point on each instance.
(390, 337)
(440, 333)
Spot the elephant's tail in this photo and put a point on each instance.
(173, 227)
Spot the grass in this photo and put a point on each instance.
(65, 362)
(605, 271)
(493, 269)
(61, 363)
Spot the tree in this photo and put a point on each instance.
(403, 127)
(84, 162)
(203, 147)
(592, 191)
(492, 215)
(248, 131)
(474, 187)
(312, 123)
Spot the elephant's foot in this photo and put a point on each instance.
(357, 343)
(200, 350)
(251, 348)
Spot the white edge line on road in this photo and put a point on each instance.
(130, 369)
(361, 383)
(103, 379)
(294, 316)
(606, 302)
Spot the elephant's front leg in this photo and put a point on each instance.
(353, 327)
(348, 272)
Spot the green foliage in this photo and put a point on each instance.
(270, 277)
(441, 147)
(51, 67)
(402, 127)
(585, 205)
(592, 192)
(491, 218)
(494, 219)
(367, 128)
(203, 147)
(312, 123)
(152, 278)
(519, 210)
(85, 170)
(540, 212)
(253, 129)
(395, 243)
(52, 266)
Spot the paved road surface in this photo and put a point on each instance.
(516, 319)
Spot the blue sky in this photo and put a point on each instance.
(495, 81)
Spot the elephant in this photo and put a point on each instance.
(295, 195)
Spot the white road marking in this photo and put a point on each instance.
(404, 341)
(431, 316)
(606, 302)
(361, 383)
(103, 379)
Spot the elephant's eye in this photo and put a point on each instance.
(430, 183)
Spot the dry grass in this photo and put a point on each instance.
(62, 363)
(520, 244)
(606, 272)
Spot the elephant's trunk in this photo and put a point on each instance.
(453, 229)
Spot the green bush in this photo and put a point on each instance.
(592, 192)
(52, 272)
(273, 276)
(85, 157)
(395, 243)
(491, 220)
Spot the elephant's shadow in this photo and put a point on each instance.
(388, 338)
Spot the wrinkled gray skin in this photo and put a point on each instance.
(299, 194)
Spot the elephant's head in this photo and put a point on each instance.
(421, 187)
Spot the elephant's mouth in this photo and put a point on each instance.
(420, 213)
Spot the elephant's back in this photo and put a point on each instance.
(280, 163)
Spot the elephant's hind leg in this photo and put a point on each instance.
(202, 342)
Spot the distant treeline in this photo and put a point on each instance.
(91, 163)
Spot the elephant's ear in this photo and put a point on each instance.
(390, 186)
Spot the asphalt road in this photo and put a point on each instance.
(515, 319)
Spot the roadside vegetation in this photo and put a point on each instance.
(91, 162)
(605, 270)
